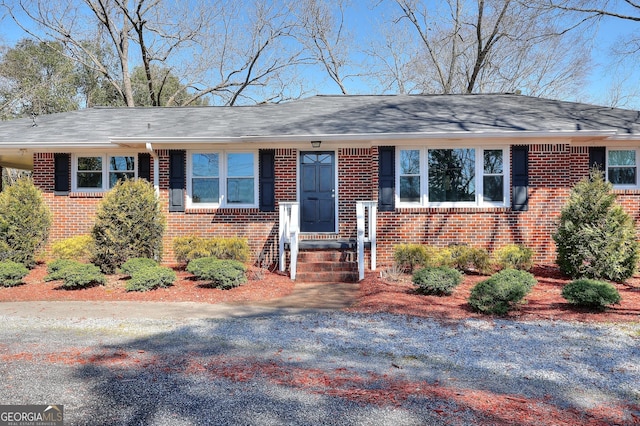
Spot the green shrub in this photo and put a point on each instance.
(132, 266)
(466, 258)
(596, 238)
(408, 256)
(79, 247)
(12, 273)
(82, 275)
(192, 247)
(56, 269)
(501, 292)
(24, 222)
(592, 294)
(513, 256)
(149, 278)
(223, 274)
(129, 223)
(438, 281)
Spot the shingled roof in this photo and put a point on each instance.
(324, 116)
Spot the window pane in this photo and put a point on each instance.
(121, 163)
(451, 175)
(622, 175)
(89, 179)
(205, 190)
(409, 188)
(409, 162)
(114, 177)
(90, 163)
(622, 158)
(493, 161)
(493, 188)
(205, 165)
(240, 164)
(240, 191)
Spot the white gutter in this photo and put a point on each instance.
(156, 168)
(371, 136)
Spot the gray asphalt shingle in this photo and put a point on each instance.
(325, 115)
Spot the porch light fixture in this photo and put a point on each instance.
(315, 144)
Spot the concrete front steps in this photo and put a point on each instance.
(327, 265)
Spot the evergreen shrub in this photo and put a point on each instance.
(513, 256)
(501, 292)
(79, 247)
(192, 247)
(596, 238)
(220, 273)
(24, 222)
(408, 256)
(591, 294)
(150, 277)
(12, 273)
(439, 281)
(131, 266)
(129, 224)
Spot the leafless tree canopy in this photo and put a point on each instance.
(249, 51)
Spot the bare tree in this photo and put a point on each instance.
(218, 49)
(468, 46)
(324, 35)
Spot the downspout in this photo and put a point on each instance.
(156, 168)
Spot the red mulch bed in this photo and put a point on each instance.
(375, 295)
(544, 302)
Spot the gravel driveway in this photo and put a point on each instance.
(329, 368)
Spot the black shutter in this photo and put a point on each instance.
(267, 187)
(597, 157)
(144, 166)
(520, 178)
(61, 174)
(176, 181)
(386, 178)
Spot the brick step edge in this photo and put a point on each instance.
(326, 277)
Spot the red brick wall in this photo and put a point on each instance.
(553, 170)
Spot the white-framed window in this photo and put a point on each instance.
(222, 179)
(95, 173)
(622, 167)
(452, 177)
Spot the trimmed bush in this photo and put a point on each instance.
(408, 256)
(131, 266)
(79, 247)
(12, 273)
(501, 292)
(466, 258)
(596, 238)
(513, 256)
(56, 269)
(24, 222)
(82, 275)
(192, 247)
(129, 224)
(591, 294)
(149, 278)
(220, 273)
(438, 281)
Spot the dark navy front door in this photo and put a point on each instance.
(317, 192)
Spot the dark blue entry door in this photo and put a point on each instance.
(317, 192)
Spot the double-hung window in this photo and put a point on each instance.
(449, 177)
(221, 178)
(622, 167)
(93, 173)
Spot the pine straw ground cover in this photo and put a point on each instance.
(375, 295)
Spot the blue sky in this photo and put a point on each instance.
(604, 74)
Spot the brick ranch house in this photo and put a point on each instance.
(484, 170)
